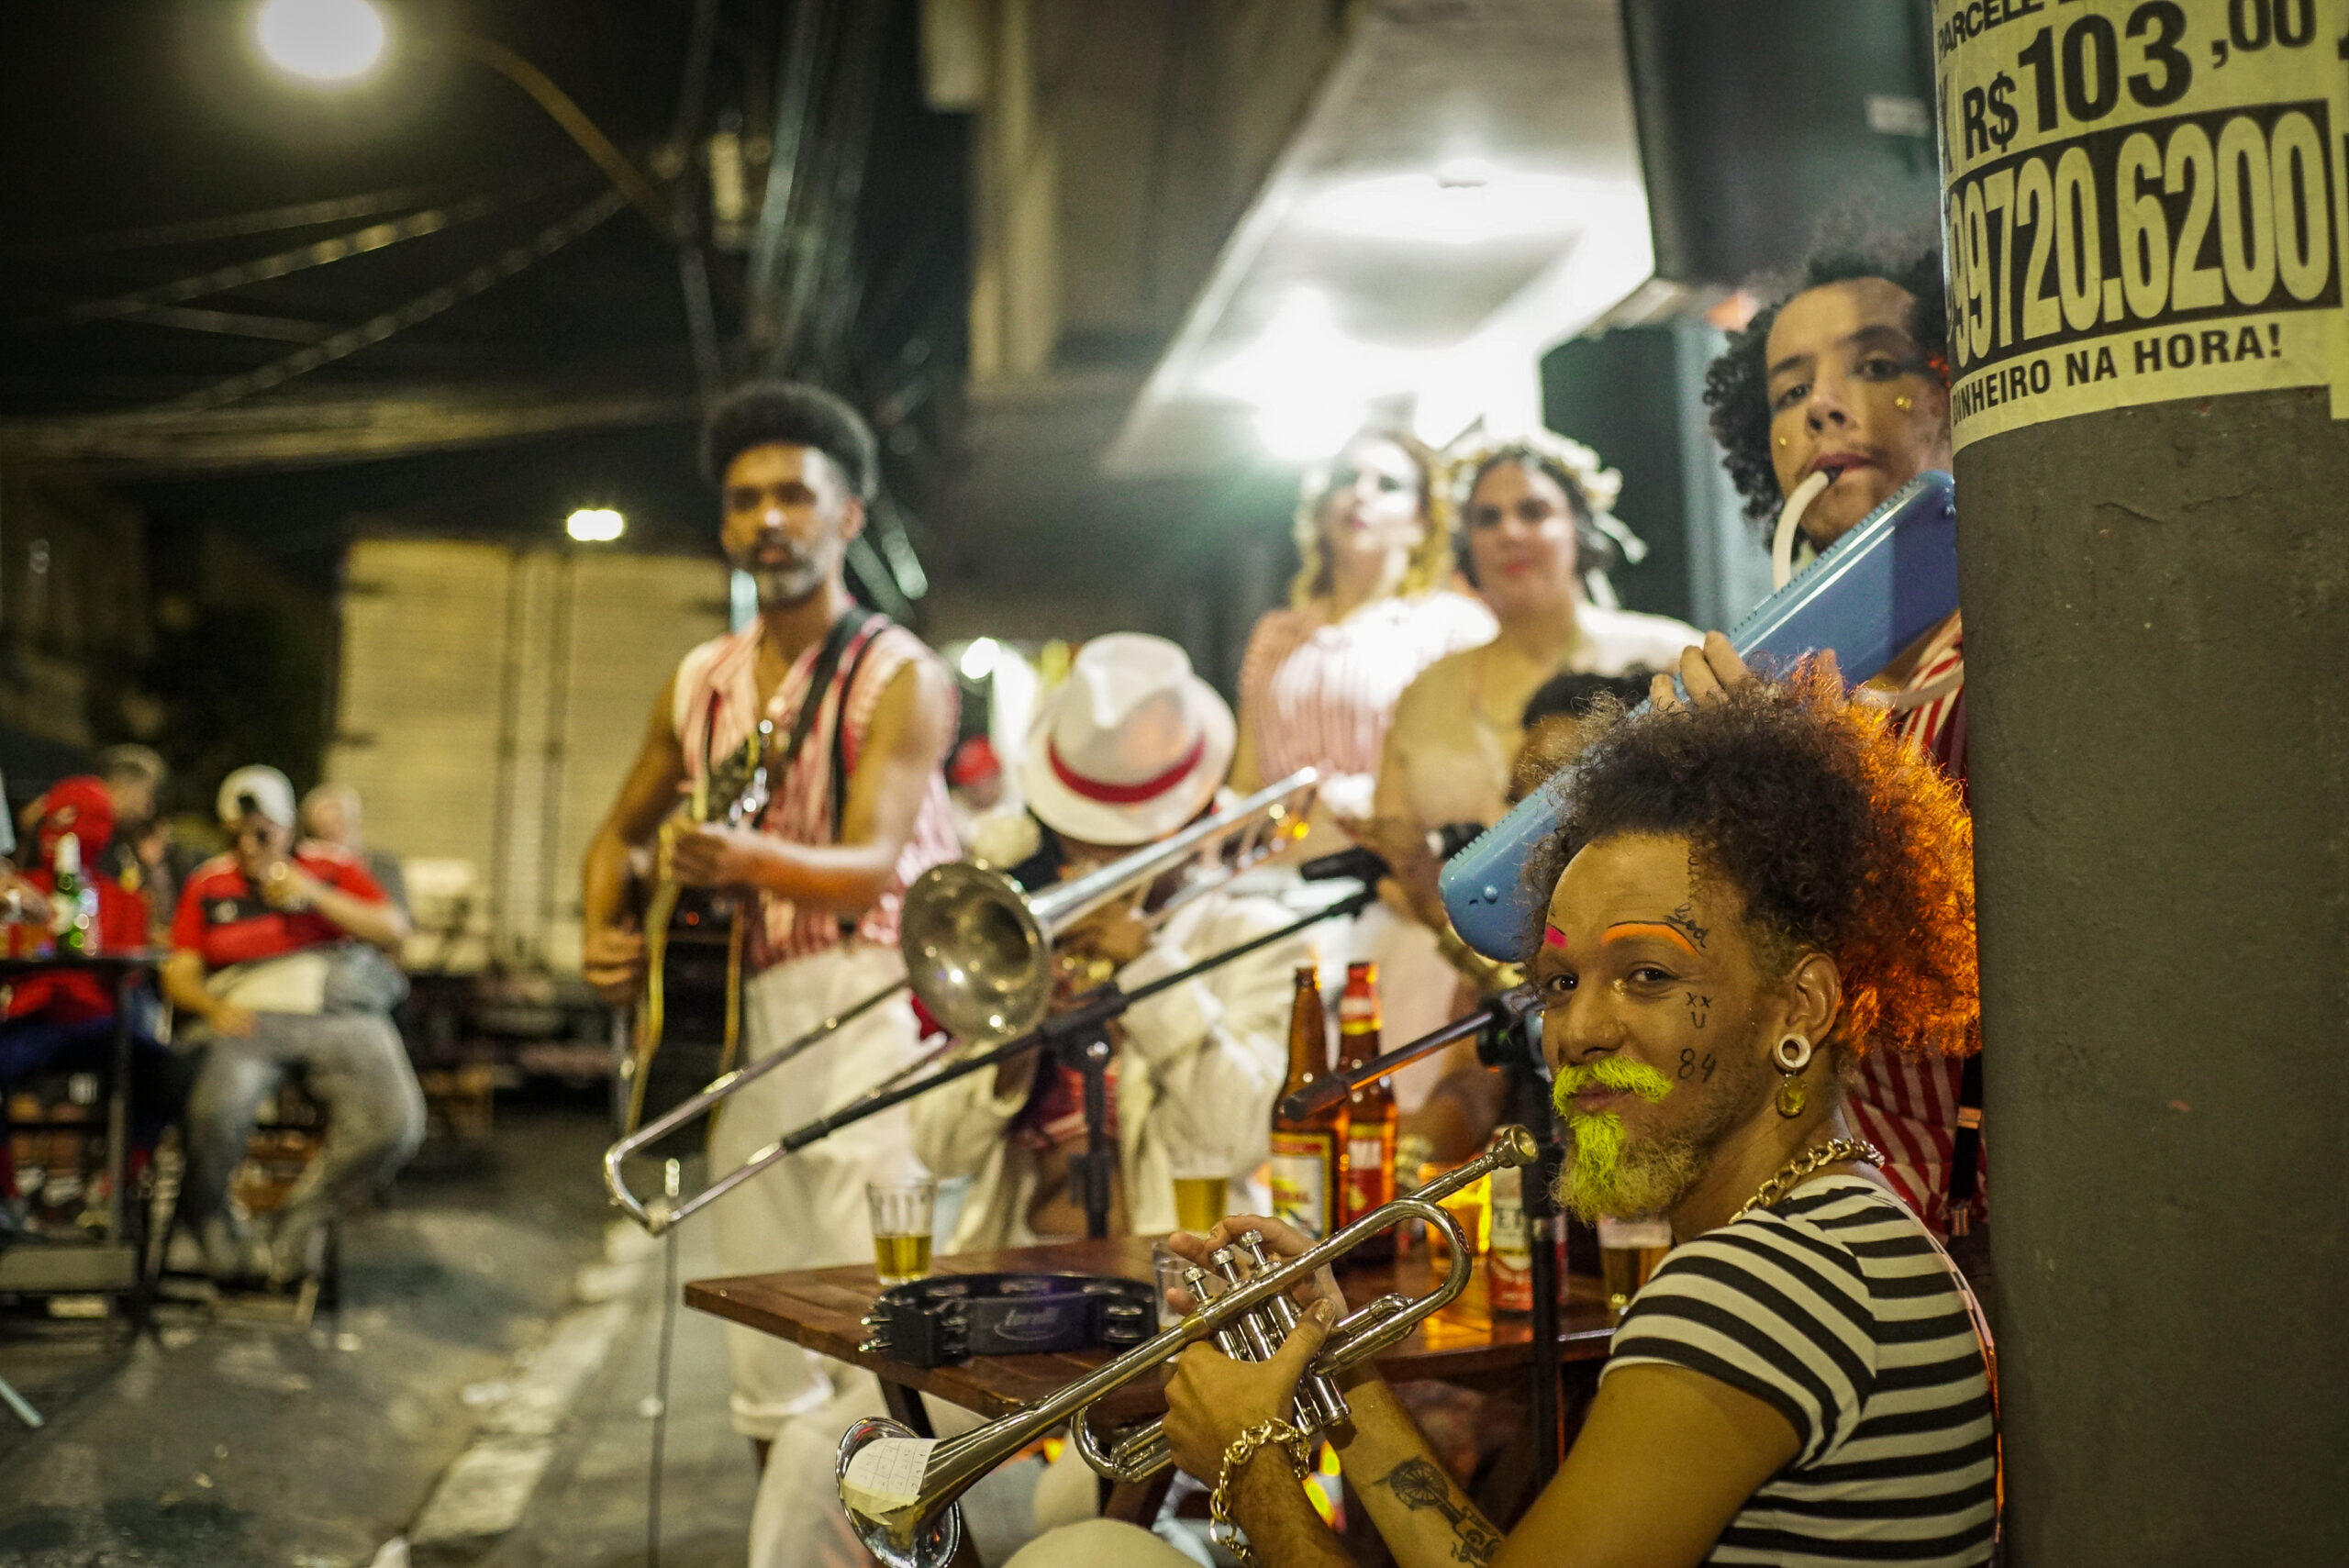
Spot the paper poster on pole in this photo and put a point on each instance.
(2142, 200)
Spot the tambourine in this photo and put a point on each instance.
(935, 1322)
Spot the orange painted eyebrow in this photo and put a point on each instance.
(1627, 929)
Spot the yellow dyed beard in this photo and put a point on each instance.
(1599, 1180)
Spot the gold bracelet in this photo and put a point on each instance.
(1235, 1458)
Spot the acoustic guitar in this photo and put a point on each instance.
(687, 1019)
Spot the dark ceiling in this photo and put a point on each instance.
(154, 152)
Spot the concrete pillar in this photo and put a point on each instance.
(2157, 651)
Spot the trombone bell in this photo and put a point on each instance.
(976, 953)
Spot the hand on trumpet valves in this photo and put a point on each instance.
(1281, 1242)
(1213, 1398)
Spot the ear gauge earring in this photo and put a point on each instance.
(1791, 1055)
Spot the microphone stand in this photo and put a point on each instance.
(1079, 1038)
(1508, 1030)
(1516, 1050)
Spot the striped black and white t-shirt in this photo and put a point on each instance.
(1837, 1309)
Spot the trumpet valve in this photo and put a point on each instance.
(1318, 1401)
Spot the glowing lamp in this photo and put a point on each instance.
(595, 525)
(325, 41)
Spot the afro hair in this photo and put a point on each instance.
(1840, 836)
(1737, 385)
(792, 413)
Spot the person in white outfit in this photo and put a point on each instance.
(1128, 750)
(858, 811)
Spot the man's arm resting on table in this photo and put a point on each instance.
(912, 726)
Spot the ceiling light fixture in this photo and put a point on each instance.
(1309, 382)
(595, 525)
(325, 41)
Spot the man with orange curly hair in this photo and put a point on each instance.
(1747, 896)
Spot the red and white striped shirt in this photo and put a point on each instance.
(1319, 694)
(1907, 1107)
(717, 706)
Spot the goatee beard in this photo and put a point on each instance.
(1634, 1178)
(787, 587)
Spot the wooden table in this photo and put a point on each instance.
(1466, 1343)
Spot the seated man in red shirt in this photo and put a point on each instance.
(254, 950)
(62, 1020)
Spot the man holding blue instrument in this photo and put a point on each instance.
(1847, 382)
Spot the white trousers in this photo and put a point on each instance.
(797, 1522)
(809, 1211)
(1098, 1543)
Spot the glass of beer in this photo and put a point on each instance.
(1202, 1188)
(1629, 1252)
(1472, 1208)
(902, 1214)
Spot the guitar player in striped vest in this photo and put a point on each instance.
(856, 810)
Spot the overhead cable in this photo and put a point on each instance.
(318, 254)
(480, 280)
(232, 226)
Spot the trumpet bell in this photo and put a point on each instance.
(934, 1544)
(976, 953)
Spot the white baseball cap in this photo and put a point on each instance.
(1131, 747)
(255, 788)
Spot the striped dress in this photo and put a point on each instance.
(1319, 694)
(717, 706)
(1837, 1310)
(1906, 1105)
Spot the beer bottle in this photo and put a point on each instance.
(76, 918)
(1308, 1152)
(1371, 1117)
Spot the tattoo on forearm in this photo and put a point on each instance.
(1419, 1484)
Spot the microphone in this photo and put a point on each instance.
(1366, 865)
(1499, 1011)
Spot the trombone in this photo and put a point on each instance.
(903, 1502)
(978, 953)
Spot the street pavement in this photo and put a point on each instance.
(480, 1398)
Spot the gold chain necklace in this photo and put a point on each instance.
(1810, 1160)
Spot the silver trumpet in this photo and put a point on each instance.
(1248, 1321)
(978, 952)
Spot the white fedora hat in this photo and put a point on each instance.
(1131, 747)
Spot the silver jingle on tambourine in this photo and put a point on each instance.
(936, 1545)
